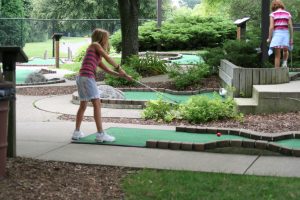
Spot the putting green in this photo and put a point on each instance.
(136, 137)
(135, 95)
(22, 74)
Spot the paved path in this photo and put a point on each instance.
(41, 135)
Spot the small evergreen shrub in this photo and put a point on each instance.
(189, 76)
(203, 109)
(150, 65)
(160, 110)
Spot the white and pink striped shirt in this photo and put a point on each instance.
(281, 19)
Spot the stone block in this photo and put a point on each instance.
(198, 147)
(163, 144)
(266, 138)
(188, 146)
(286, 151)
(151, 144)
(212, 130)
(210, 145)
(236, 143)
(296, 152)
(248, 144)
(274, 147)
(223, 143)
(234, 132)
(180, 129)
(260, 144)
(174, 145)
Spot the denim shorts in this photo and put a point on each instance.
(87, 88)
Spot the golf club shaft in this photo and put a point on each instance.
(146, 86)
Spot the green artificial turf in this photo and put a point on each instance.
(135, 95)
(138, 137)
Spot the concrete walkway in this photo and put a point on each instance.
(42, 136)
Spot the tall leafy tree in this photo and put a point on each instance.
(189, 3)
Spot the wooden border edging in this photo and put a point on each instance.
(242, 79)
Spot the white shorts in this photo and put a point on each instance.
(87, 88)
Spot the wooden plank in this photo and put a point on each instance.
(236, 82)
(242, 92)
(249, 82)
(268, 76)
(262, 77)
(225, 77)
(273, 75)
(255, 76)
(278, 73)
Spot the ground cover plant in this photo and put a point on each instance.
(197, 109)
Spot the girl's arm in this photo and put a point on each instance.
(271, 28)
(103, 53)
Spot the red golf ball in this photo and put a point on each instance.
(219, 134)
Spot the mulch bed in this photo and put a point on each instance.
(48, 180)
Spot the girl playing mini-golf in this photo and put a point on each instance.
(86, 83)
(280, 32)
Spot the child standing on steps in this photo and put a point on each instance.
(280, 32)
(86, 83)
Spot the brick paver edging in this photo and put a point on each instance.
(257, 140)
(42, 83)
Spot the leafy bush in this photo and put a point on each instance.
(80, 54)
(189, 76)
(182, 33)
(149, 65)
(203, 109)
(242, 53)
(118, 81)
(213, 56)
(161, 110)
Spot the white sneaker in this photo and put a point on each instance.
(77, 135)
(104, 137)
(284, 64)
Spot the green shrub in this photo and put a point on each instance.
(242, 53)
(203, 109)
(149, 65)
(80, 54)
(189, 76)
(182, 33)
(161, 111)
(117, 81)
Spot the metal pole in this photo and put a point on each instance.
(265, 22)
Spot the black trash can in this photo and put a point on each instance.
(7, 92)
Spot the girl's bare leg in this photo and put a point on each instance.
(80, 114)
(277, 57)
(97, 114)
(285, 54)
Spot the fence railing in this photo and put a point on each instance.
(18, 31)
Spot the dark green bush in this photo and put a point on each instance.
(117, 81)
(242, 53)
(149, 65)
(182, 33)
(189, 76)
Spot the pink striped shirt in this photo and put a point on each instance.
(89, 64)
(281, 19)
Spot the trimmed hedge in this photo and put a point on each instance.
(182, 33)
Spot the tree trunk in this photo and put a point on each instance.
(129, 27)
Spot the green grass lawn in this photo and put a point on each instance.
(160, 184)
(37, 49)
